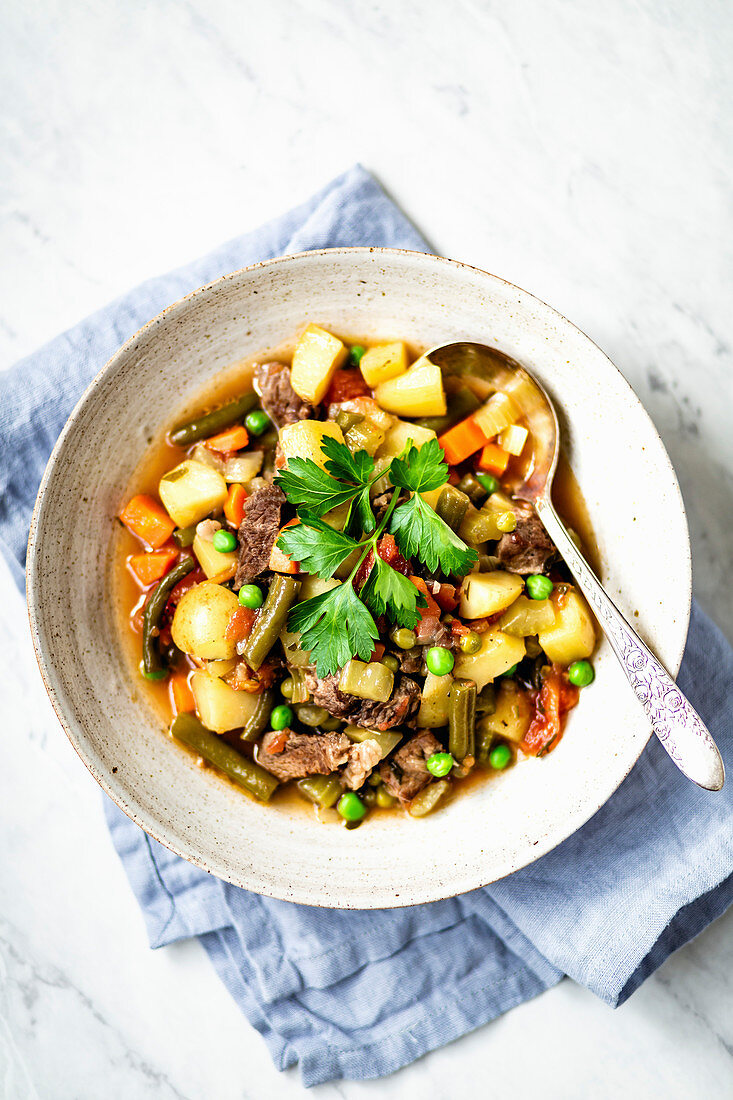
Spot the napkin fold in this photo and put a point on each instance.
(357, 994)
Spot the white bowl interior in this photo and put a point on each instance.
(496, 827)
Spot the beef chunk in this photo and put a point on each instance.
(303, 754)
(400, 708)
(279, 400)
(528, 548)
(411, 660)
(362, 758)
(406, 773)
(257, 533)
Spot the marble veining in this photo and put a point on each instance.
(585, 153)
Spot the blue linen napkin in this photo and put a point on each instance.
(359, 994)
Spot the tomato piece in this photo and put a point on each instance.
(345, 386)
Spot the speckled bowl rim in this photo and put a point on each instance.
(155, 828)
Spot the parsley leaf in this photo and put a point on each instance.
(305, 483)
(387, 592)
(335, 627)
(420, 470)
(316, 546)
(422, 534)
(343, 464)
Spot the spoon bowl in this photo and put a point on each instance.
(673, 719)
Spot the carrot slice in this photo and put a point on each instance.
(494, 459)
(152, 566)
(181, 694)
(233, 439)
(462, 440)
(234, 504)
(147, 518)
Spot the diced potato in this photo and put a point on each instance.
(526, 616)
(220, 668)
(316, 586)
(337, 517)
(384, 362)
(400, 433)
(217, 566)
(243, 467)
(486, 594)
(317, 355)
(435, 701)
(572, 636)
(417, 392)
(304, 438)
(347, 565)
(498, 413)
(513, 438)
(190, 491)
(367, 680)
(513, 713)
(220, 707)
(432, 496)
(201, 619)
(498, 652)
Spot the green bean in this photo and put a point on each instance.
(184, 536)
(486, 700)
(386, 739)
(428, 798)
(330, 724)
(245, 773)
(260, 720)
(299, 691)
(311, 715)
(154, 611)
(484, 741)
(451, 507)
(201, 427)
(460, 405)
(271, 620)
(324, 790)
(473, 489)
(462, 719)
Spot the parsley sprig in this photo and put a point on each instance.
(339, 624)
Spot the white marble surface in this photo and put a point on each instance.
(582, 151)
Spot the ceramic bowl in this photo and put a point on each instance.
(496, 826)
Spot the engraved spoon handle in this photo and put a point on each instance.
(673, 719)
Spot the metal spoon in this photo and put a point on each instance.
(673, 719)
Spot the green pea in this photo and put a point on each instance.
(581, 673)
(538, 587)
(403, 638)
(250, 595)
(489, 483)
(470, 642)
(154, 674)
(511, 671)
(281, 717)
(287, 687)
(257, 422)
(506, 522)
(499, 757)
(355, 353)
(374, 780)
(385, 800)
(391, 662)
(439, 764)
(439, 660)
(351, 807)
(224, 541)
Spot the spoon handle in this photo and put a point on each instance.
(673, 719)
